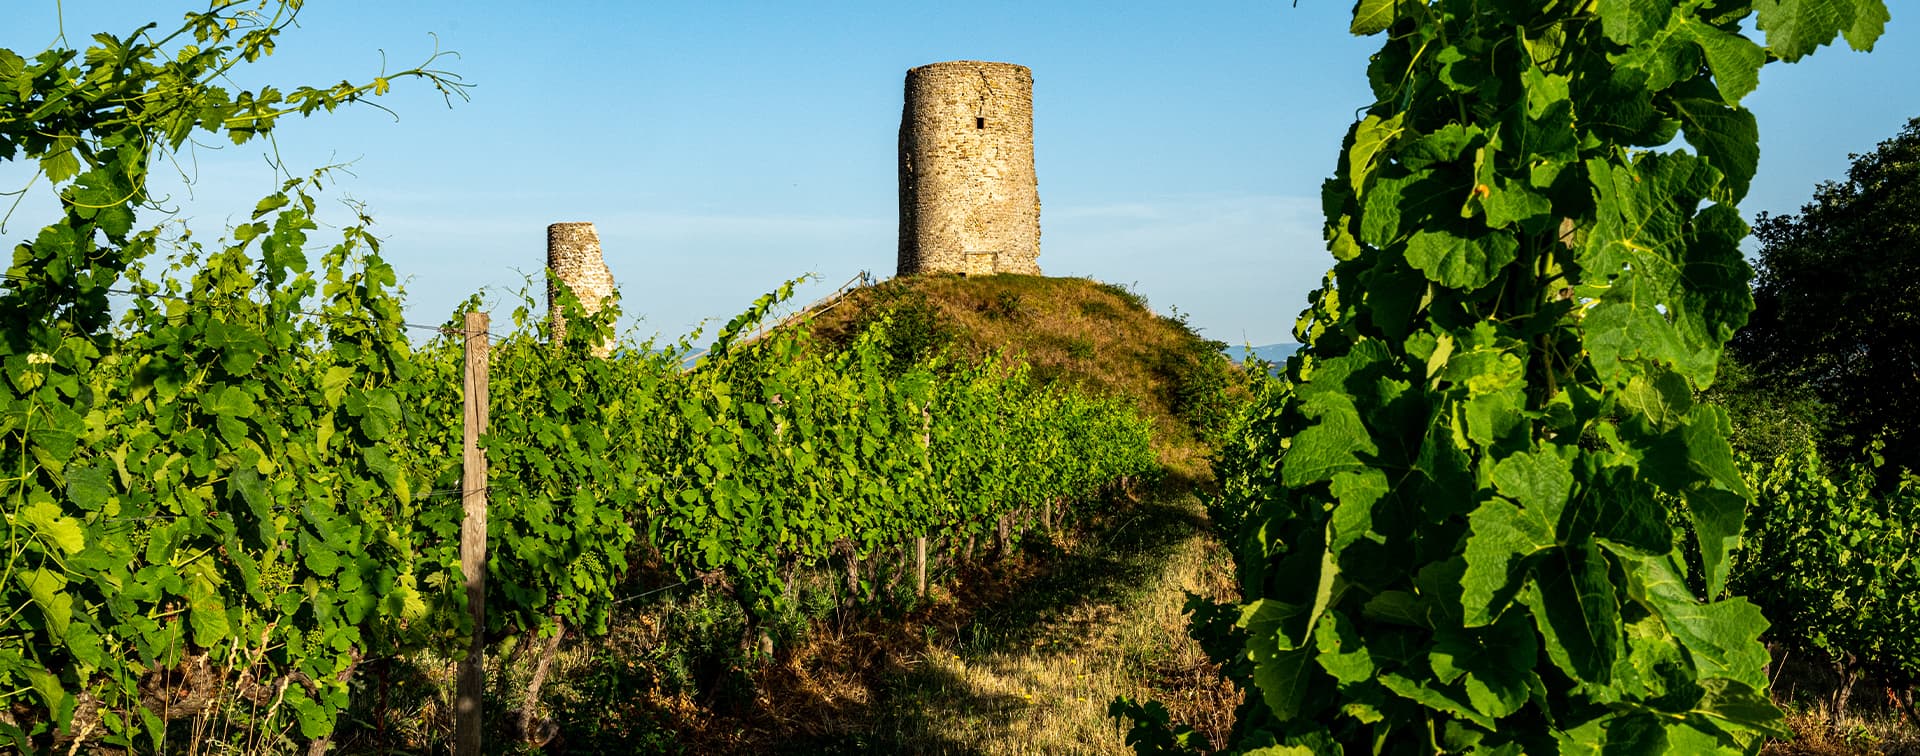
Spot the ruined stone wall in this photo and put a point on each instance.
(969, 202)
(573, 254)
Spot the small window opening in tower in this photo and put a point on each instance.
(980, 122)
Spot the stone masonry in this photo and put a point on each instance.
(573, 254)
(969, 202)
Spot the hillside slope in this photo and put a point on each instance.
(1099, 337)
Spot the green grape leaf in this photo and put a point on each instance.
(316, 720)
(52, 447)
(1728, 137)
(253, 490)
(1435, 696)
(1654, 667)
(50, 523)
(1718, 518)
(1370, 138)
(1460, 262)
(1486, 367)
(1734, 59)
(209, 621)
(1491, 417)
(1739, 704)
(1722, 638)
(1334, 443)
(48, 591)
(1512, 203)
(1673, 54)
(85, 646)
(1630, 22)
(1397, 607)
(1618, 733)
(1493, 665)
(1357, 493)
(1669, 286)
(60, 166)
(1373, 16)
(1380, 224)
(1449, 485)
(378, 410)
(1540, 480)
(1343, 653)
(229, 401)
(1393, 290)
(1795, 28)
(1718, 508)
(1504, 538)
(1446, 144)
(14, 79)
(1574, 608)
(333, 385)
(322, 560)
(1665, 399)
(1870, 19)
(48, 686)
(89, 487)
(1284, 678)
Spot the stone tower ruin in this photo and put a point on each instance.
(969, 202)
(573, 256)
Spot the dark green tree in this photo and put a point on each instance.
(1837, 299)
(1769, 418)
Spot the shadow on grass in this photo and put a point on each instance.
(901, 723)
(672, 682)
(1111, 562)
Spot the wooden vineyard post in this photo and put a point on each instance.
(473, 535)
(920, 564)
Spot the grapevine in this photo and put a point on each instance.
(1452, 530)
(247, 488)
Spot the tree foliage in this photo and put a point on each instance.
(1834, 559)
(155, 502)
(1837, 298)
(1769, 418)
(96, 120)
(1458, 539)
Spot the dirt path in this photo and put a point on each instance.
(1035, 672)
(1013, 656)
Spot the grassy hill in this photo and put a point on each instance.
(1099, 337)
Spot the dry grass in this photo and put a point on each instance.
(1871, 721)
(1036, 676)
(1818, 732)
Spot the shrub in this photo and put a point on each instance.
(1834, 565)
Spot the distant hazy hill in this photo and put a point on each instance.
(1274, 353)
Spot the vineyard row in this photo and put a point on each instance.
(227, 499)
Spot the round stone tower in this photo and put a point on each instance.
(969, 202)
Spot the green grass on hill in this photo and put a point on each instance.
(1100, 337)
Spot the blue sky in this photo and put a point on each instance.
(722, 148)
